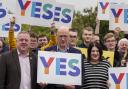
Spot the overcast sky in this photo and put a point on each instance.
(80, 4)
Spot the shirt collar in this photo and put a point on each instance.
(65, 50)
(25, 55)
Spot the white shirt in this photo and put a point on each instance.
(25, 71)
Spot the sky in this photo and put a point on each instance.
(80, 4)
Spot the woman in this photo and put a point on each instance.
(95, 71)
(123, 52)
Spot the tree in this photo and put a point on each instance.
(88, 18)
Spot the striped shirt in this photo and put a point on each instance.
(95, 76)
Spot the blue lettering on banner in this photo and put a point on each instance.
(6, 27)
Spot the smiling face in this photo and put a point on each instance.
(87, 36)
(123, 47)
(33, 43)
(95, 55)
(23, 42)
(42, 41)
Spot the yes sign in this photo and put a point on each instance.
(42, 13)
(118, 78)
(54, 65)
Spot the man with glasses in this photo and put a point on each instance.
(110, 43)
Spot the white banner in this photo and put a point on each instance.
(118, 78)
(103, 9)
(119, 1)
(5, 21)
(118, 17)
(59, 68)
(41, 13)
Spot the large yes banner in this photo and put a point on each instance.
(118, 16)
(5, 21)
(59, 68)
(41, 13)
(118, 78)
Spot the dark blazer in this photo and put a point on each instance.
(70, 50)
(10, 71)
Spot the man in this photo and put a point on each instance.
(110, 41)
(110, 44)
(33, 42)
(86, 36)
(73, 37)
(95, 38)
(62, 46)
(42, 40)
(18, 68)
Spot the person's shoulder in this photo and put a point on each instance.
(74, 50)
(52, 48)
(81, 45)
(106, 62)
(8, 54)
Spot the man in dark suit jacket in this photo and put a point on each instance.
(18, 68)
(62, 46)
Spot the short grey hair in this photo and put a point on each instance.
(123, 40)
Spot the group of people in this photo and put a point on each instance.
(18, 65)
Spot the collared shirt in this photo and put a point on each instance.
(64, 51)
(25, 71)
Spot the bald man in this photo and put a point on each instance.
(62, 46)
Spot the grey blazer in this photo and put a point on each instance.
(10, 72)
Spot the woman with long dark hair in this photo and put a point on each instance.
(95, 71)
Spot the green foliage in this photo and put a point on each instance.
(37, 29)
(88, 18)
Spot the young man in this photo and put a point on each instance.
(33, 42)
(73, 37)
(42, 40)
(86, 36)
(110, 43)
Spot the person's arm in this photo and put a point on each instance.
(53, 40)
(69, 87)
(2, 72)
(97, 30)
(124, 59)
(11, 38)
